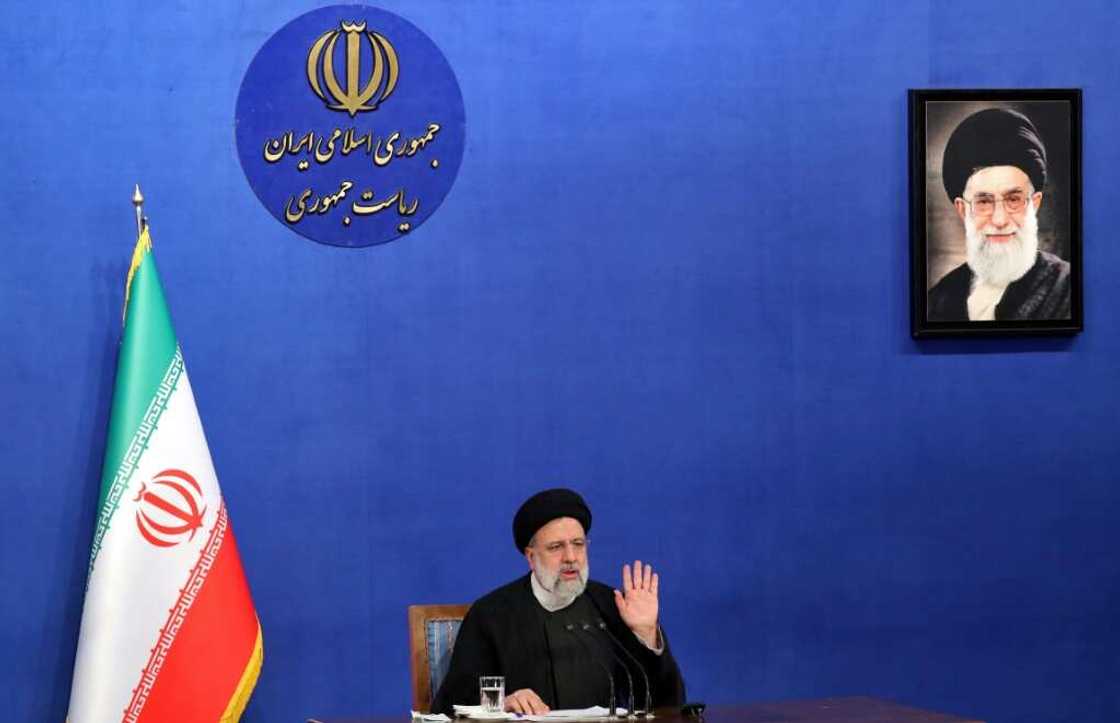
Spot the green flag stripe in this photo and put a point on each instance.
(135, 451)
(147, 348)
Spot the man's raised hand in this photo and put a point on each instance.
(637, 601)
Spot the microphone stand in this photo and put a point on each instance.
(610, 677)
(629, 678)
(648, 712)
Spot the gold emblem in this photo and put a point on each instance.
(355, 97)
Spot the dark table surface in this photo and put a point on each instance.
(825, 710)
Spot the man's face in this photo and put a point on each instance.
(557, 556)
(999, 209)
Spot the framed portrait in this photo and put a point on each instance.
(995, 212)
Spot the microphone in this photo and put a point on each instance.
(648, 712)
(629, 678)
(610, 676)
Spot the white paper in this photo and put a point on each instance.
(574, 713)
(593, 713)
(476, 712)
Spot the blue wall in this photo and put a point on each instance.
(672, 273)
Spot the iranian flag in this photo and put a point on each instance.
(169, 632)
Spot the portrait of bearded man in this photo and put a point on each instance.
(995, 171)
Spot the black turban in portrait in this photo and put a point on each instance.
(993, 137)
(544, 507)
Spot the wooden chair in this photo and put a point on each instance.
(431, 636)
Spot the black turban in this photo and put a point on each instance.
(544, 507)
(993, 137)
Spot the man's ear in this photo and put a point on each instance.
(1036, 199)
(529, 558)
(960, 205)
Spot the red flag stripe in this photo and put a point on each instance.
(214, 642)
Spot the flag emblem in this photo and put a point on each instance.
(169, 510)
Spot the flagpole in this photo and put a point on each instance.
(138, 202)
(190, 609)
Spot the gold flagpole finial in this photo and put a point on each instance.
(143, 245)
(138, 202)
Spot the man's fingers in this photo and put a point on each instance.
(526, 702)
(640, 577)
(536, 705)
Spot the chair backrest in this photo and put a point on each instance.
(431, 636)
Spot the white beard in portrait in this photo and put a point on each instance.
(1000, 263)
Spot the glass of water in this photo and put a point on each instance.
(492, 693)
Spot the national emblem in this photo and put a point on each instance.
(168, 512)
(355, 97)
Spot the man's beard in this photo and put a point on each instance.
(562, 591)
(1000, 263)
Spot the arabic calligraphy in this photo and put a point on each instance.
(325, 146)
(306, 203)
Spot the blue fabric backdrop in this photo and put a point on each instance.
(672, 273)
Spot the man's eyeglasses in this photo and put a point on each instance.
(555, 548)
(984, 204)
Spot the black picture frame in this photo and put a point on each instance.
(938, 247)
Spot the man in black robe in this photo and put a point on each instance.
(994, 172)
(543, 630)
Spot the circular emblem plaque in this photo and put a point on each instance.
(350, 126)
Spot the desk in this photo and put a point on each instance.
(825, 710)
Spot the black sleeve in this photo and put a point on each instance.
(948, 299)
(473, 652)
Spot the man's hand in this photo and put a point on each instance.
(525, 702)
(637, 603)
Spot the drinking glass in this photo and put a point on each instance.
(492, 693)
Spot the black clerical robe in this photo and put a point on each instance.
(507, 632)
(1042, 293)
